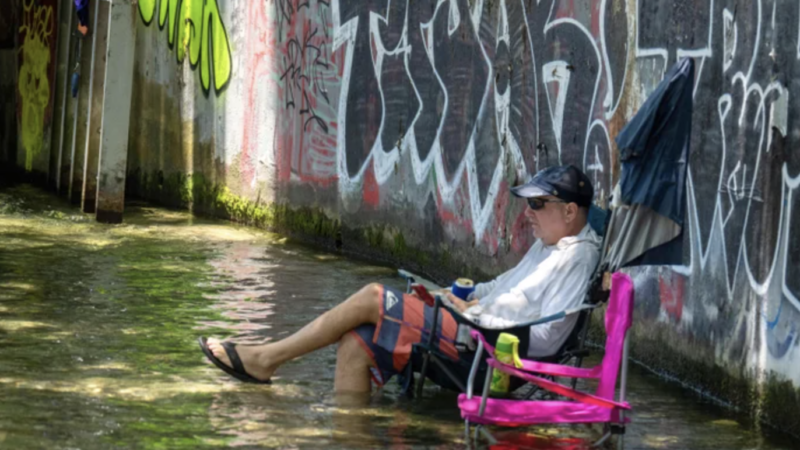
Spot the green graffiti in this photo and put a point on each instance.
(34, 87)
(196, 26)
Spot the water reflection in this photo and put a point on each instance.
(98, 327)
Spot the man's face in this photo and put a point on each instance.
(549, 223)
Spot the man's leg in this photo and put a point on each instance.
(260, 361)
(352, 366)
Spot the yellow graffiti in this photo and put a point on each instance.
(34, 86)
(197, 27)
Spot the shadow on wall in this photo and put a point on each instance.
(9, 22)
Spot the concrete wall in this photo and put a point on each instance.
(9, 19)
(396, 128)
(38, 34)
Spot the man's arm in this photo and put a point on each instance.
(483, 289)
(547, 291)
(459, 304)
(569, 293)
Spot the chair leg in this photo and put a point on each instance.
(426, 359)
(578, 363)
(449, 374)
(423, 373)
(604, 438)
(486, 385)
(486, 434)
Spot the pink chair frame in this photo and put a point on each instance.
(599, 407)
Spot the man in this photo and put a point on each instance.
(376, 326)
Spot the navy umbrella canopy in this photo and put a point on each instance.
(647, 218)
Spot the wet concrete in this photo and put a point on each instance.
(97, 336)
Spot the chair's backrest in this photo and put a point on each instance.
(598, 219)
(618, 320)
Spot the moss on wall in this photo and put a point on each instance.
(197, 193)
(381, 242)
(389, 244)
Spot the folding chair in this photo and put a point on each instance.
(600, 407)
(573, 347)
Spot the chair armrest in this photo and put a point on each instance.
(520, 328)
(411, 277)
(557, 388)
(559, 370)
(406, 275)
(457, 315)
(556, 316)
(544, 368)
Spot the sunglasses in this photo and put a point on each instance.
(536, 203)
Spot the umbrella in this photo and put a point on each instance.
(646, 224)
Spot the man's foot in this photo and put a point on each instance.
(253, 358)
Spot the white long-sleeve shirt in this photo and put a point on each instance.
(548, 280)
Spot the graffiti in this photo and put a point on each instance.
(34, 85)
(453, 99)
(468, 89)
(304, 62)
(671, 293)
(307, 72)
(740, 198)
(196, 27)
(437, 106)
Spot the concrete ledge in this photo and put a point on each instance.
(378, 243)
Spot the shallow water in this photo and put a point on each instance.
(98, 328)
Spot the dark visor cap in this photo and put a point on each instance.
(565, 182)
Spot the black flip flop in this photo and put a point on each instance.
(237, 371)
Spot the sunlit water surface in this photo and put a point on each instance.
(98, 328)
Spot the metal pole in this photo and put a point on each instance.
(449, 373)
(64, 99)
(75, 102)
(622, 385)
(486, 383)
(474, 369)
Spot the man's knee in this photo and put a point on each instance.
(373, 291)
(370, 298)
(351, 351)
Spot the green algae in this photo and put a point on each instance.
(199, 194)
(99, 319)
(375, 241)
(98, 325)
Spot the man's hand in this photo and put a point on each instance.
(459, 304)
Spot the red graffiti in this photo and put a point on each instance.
(671, 291)
(372, 193)
(457, 214)
(308, 74)
(260, 52)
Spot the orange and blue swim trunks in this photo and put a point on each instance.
(404, 321)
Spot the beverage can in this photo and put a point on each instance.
(462, 287)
